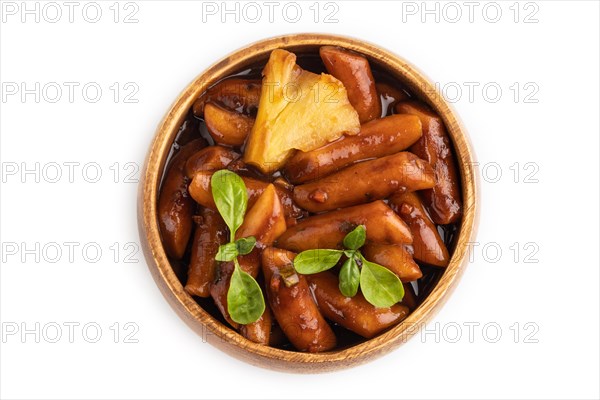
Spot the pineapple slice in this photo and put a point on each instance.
(298, 110)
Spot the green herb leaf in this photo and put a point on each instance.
(245, 301)
(245, 245)
(355, 239)
(231, 198)
(379, 285)
(226, 252)
(350, 253)
(316, 260)
(349, 278)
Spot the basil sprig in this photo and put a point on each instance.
(245, 301)
(379, 285)
(241, 247)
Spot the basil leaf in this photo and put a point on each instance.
(245, 245)
(316, 260)
(355, 239)
(350, 253)
(245, 301)
(226, 252)
(380, 286)
(231, 198)
(349, 278)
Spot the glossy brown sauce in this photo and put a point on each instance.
(194, 127)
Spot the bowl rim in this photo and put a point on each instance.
(220, 335)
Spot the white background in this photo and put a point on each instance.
(554, 221)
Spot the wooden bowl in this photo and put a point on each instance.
(229, 340)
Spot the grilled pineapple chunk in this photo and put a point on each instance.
(298, 110)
